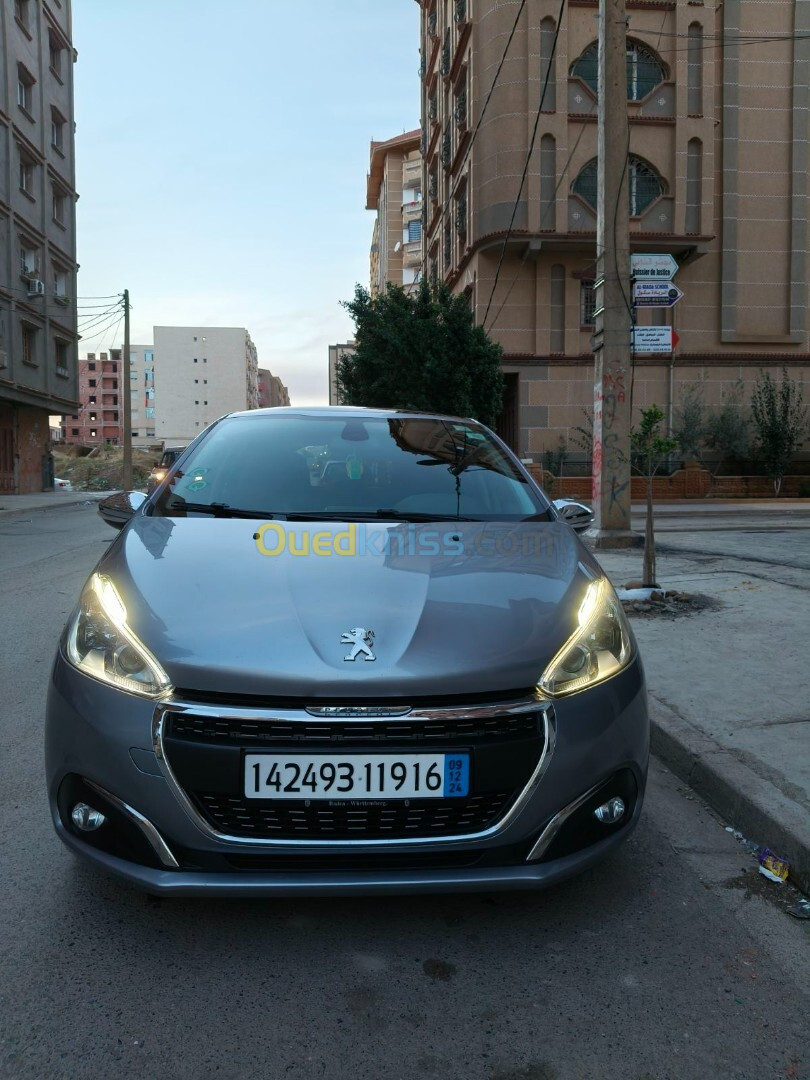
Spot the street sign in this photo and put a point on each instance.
(652, 267)
(656, 294)
(652, 339)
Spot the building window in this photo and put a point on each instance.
(29, 261)
(557, 337)
(93, 417)
(26, 174)
(74, 431)
(91, 382)
(548, 182)
(150, 413)
(587, 303)
(61, 356)
(55, 51)
(91, 367)
(29, 344)
(25, 88)
(59, 206)
(148, 356)
(694, 185)
(59, 284)
(694, 69)
(91, 400)
(414, 231)
(93, 433)
(645, 70)
(548, 73)
(644, 183)
(57, 130)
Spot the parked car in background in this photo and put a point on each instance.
(403, 673)
(62, 485)
(160, 471)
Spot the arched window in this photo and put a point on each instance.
(645, 70)
(548, 182)
(645, 184)
(548, 65)
(694, 55)
(694, 185)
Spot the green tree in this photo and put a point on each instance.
(649, 447)
(727, 428)
(554, 463)
(420, 351)
(689, 428)
(780, 421)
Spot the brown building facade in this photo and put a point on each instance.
(394, 191)
(718, 127)
(98, 419)
(272, 391)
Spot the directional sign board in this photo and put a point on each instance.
(652, 339)
(656, 294)
(653, 267)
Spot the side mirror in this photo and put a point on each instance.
(578, 516)
(116, 510)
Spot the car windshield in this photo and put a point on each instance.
(346, 466)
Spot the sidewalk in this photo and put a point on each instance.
(728, 690)
(11, 505)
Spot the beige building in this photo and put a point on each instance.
(335, 352)
(718, 127)
(202, 372)
(271, 390)
(394, 191)
(38, 332)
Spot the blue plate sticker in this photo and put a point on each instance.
(456, 775)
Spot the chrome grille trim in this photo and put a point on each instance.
(539, 705)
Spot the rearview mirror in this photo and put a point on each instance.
(116, 510)
(577, 515)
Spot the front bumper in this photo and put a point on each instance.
(98, 736)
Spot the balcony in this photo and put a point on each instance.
(412, 210)
(412, 253)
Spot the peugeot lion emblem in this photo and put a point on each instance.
(361, 640)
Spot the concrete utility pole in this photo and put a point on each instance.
(127, 401)
(613, 323)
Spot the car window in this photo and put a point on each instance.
(344, 464)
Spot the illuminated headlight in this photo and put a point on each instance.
(100, 643)
(599, 648)
(159, 475)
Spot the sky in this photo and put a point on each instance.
(221, 158)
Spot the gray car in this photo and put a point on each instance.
(401, 672)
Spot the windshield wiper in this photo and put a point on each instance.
(218, 509)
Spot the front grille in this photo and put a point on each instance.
(232, 730)
(295, 819)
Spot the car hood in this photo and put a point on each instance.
(455, 608)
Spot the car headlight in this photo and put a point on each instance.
(100, 643)
(600, 647)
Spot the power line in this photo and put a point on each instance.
(551, 206)
(528, 158)
(477, 128)
(100, 329)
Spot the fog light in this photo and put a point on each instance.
(87, 819)
(610, 812)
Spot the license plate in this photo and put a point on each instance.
(354, 776)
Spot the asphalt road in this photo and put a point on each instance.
(674, 959)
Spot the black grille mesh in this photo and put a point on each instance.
(230, 730)
(294, 819)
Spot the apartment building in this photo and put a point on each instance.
(718, 178)
(335, 352)
(98, 419)
(202, 372)
(394, 192)
(38, 337)
(272, 391)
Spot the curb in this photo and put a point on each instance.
(750, 803)
(86, 496)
